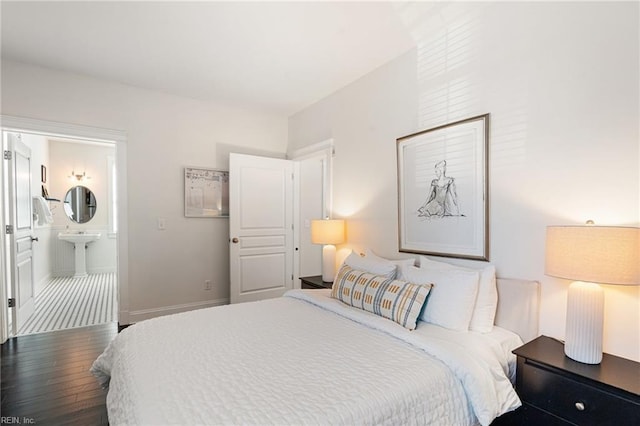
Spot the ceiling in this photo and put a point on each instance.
(274, 56)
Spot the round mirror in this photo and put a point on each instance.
(80, 204)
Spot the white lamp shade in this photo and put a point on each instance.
(327, 231)
(594, 254)
(597, 254)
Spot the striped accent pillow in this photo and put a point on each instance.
(397, 300)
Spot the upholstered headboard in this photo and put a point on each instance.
(518, 307)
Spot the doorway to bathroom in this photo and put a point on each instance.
(71, 279)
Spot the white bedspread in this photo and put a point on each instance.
(302, 359)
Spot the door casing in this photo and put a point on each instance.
(322, 152)
(66, 130)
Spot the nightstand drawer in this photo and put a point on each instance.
(564, 397)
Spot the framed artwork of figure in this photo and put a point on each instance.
(443, 191)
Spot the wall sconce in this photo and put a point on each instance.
(590, 255)
(328, 232)
(79, 177)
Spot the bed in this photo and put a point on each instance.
(310, 358)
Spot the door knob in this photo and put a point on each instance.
(234, 240)
(34, 238)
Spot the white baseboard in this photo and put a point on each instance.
(71, 272)
(40, 285)
(132, 317)
(101, 270)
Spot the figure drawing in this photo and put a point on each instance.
(443, 199)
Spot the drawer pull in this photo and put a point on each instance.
(580, 406)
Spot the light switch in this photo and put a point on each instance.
(161, 223)
(307, 223)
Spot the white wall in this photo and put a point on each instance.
(164, 133)
(561, 83)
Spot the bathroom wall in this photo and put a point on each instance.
(92, 159)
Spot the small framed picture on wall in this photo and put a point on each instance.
(206, 192)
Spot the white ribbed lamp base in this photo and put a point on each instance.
(328, 263)
(585, 312)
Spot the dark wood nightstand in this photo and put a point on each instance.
(555, 389)
(314, 282)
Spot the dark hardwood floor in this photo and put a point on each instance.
(46, 379)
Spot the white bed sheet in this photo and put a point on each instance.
(303, 359)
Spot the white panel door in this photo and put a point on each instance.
(260, 227)
(21, 218)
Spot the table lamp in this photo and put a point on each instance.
(328, 232)
(590, 255)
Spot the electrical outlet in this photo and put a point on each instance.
(207, 285)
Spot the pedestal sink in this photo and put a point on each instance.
(80, 241)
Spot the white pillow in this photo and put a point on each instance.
(452, 298)
(372, 264)
(484, 313)
(400, 263)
